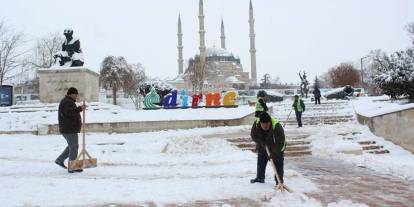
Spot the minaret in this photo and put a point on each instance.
(223, 36)
(180, 47)
(252, 46)
(202, 33)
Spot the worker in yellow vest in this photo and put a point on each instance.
(261, 103)
(267, 131)
(299, 108)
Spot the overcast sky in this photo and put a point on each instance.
(291, 35)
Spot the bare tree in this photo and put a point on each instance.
(344, 74)
(44, 50)
(410, 30)
(265, 81)
(113, 74)
(10, 51)
(133, 82)
(196, 74)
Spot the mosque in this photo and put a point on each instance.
(224, 70)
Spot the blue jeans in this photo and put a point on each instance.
(71, 151)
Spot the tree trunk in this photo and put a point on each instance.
(114, 89)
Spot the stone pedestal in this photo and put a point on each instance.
(54, 83)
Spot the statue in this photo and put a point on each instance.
(304, 85)
(71, 54)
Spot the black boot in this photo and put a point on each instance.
(75, 171)
(257, 180)
(61, 164)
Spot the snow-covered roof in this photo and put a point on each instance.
(274, 93)
(232, 79)
(213, 51)
(178, 79)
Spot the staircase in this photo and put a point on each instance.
(368, 146)
(331, 112)
(296, 145)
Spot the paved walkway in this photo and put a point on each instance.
(339, 180)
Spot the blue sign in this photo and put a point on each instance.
(6, 95)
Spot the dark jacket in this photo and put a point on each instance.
(69, 116)
(294, 105)
(274, 138)
(317, 93)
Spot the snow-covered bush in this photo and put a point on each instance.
(396, 73)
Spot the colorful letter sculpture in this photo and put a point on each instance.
(150, 99)
(196, 98)
(229, 99)
(170, 100)
(184, 98)
(213, 100)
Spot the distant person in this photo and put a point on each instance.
(261, 103)
(267, 131)
(299, 108)
(317, 94)
(69, 126)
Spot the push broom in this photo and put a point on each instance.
(84, 159)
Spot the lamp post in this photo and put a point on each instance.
(362, 71)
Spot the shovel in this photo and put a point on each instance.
(84, 159)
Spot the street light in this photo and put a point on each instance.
(362, 71)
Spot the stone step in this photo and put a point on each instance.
(367, 142)
(287, 153)
(289, 146)
(297, 148)
(297, 153)
(293, 119)
(372, 147)
(246, 145)
(240, 139)
(299, 142)
(378, 151)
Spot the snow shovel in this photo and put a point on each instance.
(84, 159)
(280, 186)
(284, 124)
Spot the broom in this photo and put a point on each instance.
(84, 159)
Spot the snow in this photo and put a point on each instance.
(214, 51)
(377, 106)
(177, 166)
(327, 142)
(274, 93)
(139, 170)
(45, 114)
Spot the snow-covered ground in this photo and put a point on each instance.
(175, 167)
(161, 167)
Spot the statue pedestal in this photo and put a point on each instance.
(54, 83)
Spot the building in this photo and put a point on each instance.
(224, 70)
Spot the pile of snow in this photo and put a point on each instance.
(191, 145)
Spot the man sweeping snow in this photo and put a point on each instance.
(69, 126)
(268, 132)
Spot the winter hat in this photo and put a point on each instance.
(264, 117)
(261, 94)
(72, 90)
